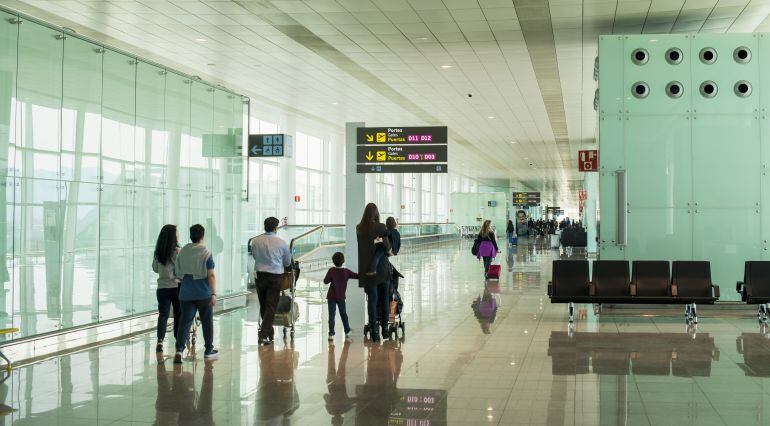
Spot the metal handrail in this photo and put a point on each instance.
(291, 244)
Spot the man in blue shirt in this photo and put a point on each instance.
(271, 258)
(197, 292)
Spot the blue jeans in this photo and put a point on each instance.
(167, 297)
(377, 299)
(333, 305)
(189, 308)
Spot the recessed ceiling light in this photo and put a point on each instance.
(334, 103)
(513, 142)
(446, 67)
(202, 40)
(526, 158)
(491, 117)
(421, 38)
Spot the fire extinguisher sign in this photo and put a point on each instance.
(588, 160)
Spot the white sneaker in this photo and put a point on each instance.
(349, 336)
(331, 338)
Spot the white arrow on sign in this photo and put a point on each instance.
(255, 150)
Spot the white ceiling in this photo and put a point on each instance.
(380, 61)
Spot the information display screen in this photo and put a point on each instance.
(275, 145)
(402, 154)
(401, 135)
(526, 199)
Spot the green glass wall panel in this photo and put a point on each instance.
(726, 243)
(81, 111)
(711, 187)
(657, 73)
(39, 88)
(659, 233)
(725, 72)
(152, 138)
(659, 171)
(695, 164)
(8, 128)
(97, 153)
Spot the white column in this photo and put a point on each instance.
(355, 200)
(589, 209)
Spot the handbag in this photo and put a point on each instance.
(475, 248)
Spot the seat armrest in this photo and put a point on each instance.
(738, 286)
(632, 289)
(716, 290)
(550, 288)
(674, 291)
(747, 291)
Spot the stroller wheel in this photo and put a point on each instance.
(401, 326)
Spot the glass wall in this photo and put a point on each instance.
(99, 150)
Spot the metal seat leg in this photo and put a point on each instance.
(571, 309)
(694, 311)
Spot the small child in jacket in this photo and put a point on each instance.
(338, 277)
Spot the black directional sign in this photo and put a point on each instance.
(401, 168)
(526, 198)
(276, 145)
(401, 149)
(402, 154)
(401, 135)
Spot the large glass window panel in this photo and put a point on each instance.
(192, 155)
(176, 210)
(37, 252)
(115, 251)
(8, 104)
(147, 224)
(80, 248)
(222, 147)
(118, 118)
(177, 118)
(39, 90)
(81, 109)
(269, 187)
(152, 142)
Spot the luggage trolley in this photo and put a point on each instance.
(287, 311)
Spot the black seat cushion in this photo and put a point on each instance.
(692, 278)
(610, 278)
(652, 278)
(570, 278)
(757, 275)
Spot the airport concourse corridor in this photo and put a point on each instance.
(473, 354)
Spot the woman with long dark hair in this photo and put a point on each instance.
(375, 285)
(163, 263)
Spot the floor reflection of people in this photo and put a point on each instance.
(379, 394)
(277, 396)
(509, 259)
(485, 310)
(176, 401)
(337, 400)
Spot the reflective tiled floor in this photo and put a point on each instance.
(474, 354)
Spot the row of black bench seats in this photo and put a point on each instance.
(649, 282)
(755, 287)
(574, 238)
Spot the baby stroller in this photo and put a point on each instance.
(395, 306)
(193, 333)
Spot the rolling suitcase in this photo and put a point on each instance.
(494, 272)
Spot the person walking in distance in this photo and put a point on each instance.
(163, 263)
(271, 258)
(197, 292)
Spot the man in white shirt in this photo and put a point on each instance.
(271, 258)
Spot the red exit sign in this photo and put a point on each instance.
(588, 160)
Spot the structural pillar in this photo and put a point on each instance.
(589, 209)
(355, 201)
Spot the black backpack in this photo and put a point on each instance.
(475, 248)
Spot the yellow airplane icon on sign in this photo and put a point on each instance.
(381, 156)
(380, 137)
(369, 138)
